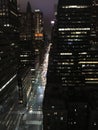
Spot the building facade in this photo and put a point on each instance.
(26, 55)
(72, 72)
(9, 38)
(38, 25)
(39, 38)
(9, 19)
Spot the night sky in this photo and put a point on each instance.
(46, 6)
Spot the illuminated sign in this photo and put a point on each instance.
(38, 34)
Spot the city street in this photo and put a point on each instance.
(32, 118)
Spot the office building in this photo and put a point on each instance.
(9, 19)
(72, 37)
(9, 38)
(38, 25)
(26, 55)
(27, 24)
(39, 38)
(72, 69)
(27, 36)
(94, 25)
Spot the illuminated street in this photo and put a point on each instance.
(33, 117)
(17, 117)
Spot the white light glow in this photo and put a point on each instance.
(72, 29)
(74, 6)
(37, 10)
(65, 53)
(8, 82)
(83, 53)
(88, 62)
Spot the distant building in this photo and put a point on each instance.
(27, 37)
(27, 55)
(39, 38)
(26, 24)
(38, 25)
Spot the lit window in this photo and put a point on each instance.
(23, 55)
(88, 62)
(83, 53)
(67, 63)
(52, 106)
(6, 25)
(61, 118)
(55, 113)
(75, 122)
(37, 10)
(83, 66)
(2, 14)
(95, 124)
(65, 53)
(82, 32)
(75, 110)
(74, 6)
(71, 29)
(91, 79)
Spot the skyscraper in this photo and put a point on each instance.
(9, 19)
(94, 25)
(27, 55)
(27, 24)
(38, 24)
(9, 38)
(66, 82)
(38, 34)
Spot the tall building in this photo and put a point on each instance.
(89, 63)
(68, 101)
(27, 55)
(9, 38)
(26, 24)
(94, 25)
(27, 37)
(9, 19)
(72, 37)
(39, 38)
(38, 25)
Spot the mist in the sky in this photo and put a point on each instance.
(46, 6)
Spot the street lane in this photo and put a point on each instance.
(32, 119)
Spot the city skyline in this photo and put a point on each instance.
(46, 6)
(48, 84)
